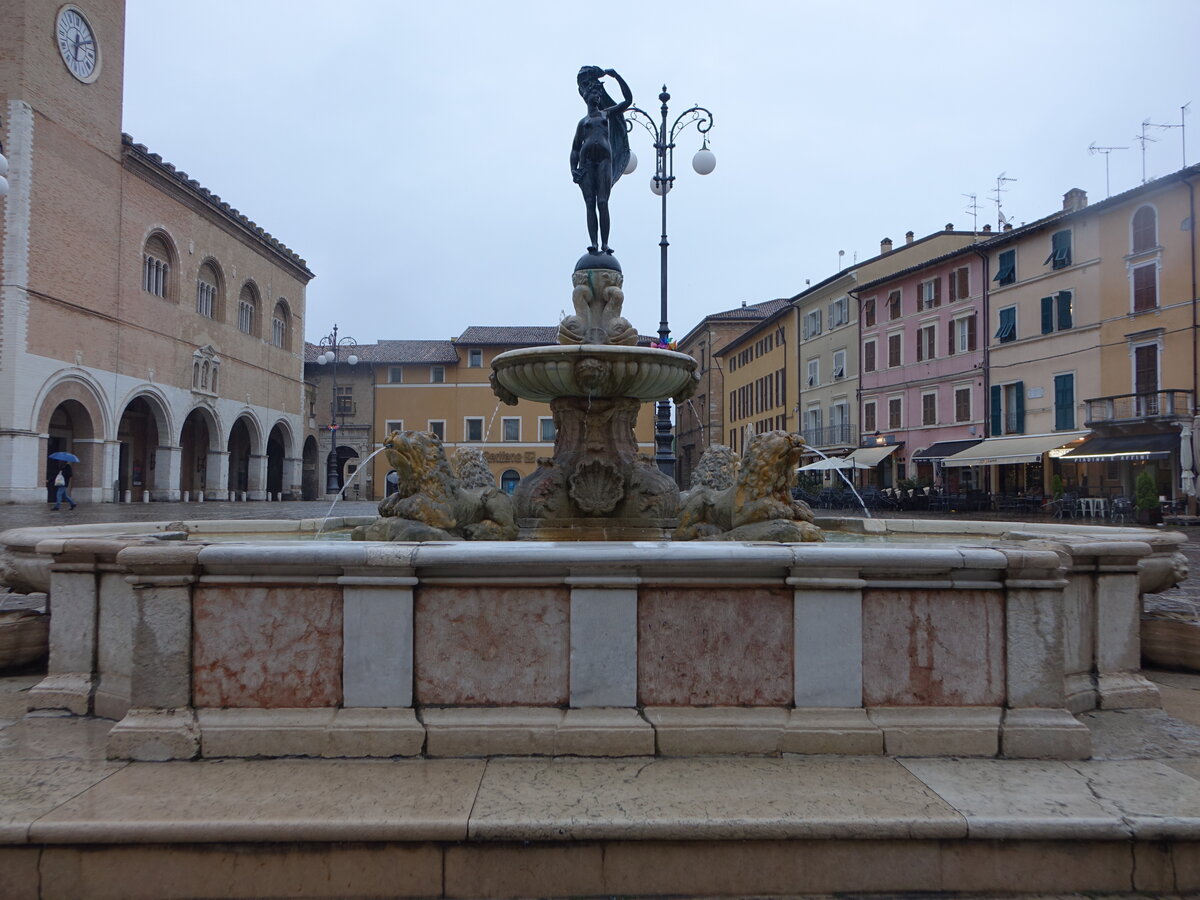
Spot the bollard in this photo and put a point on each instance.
(145, 496)
(199, 496)
(128, 498)
(187, 496)
(243, 497)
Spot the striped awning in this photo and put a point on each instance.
(1018, 448)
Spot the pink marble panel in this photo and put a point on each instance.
(267, 647)
(715, 647)
(933, 648)
(495, 646)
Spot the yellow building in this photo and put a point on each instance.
(1148, 345)
(700, 421)
(443, 387)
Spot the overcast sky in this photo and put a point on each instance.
(416, 154)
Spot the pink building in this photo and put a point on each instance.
(922, 376)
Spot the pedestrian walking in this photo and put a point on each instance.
(62, 481)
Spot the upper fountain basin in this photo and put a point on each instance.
(595, 370)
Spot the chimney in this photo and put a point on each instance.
(908, 237)
(1008, 226)
(987, 229)
(1075, 198)
(743, 304)
(885, 246)
(949, 226)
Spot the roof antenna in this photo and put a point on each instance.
(1093, 150)
(1143, 137)
(1001, 219)
(1182, 126)
(973, 209)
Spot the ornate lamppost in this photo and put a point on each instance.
(332, 346)
(664, 178)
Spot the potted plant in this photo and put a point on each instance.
(1056, 487)
(1146, 499)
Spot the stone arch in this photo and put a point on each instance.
(247, 462)
(144, 451)
(71, 415)
(310, 479)
(280, 452)
(200, 452)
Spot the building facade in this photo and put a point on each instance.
(922, 366)
(700, 421)
(149, 329)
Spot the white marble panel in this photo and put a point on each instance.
(603, 647)
(377, 645)
(828, 648)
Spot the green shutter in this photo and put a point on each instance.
(1064, 402)
(997, 422)
(1019, 412)
(1047, 315)
(1064, 310)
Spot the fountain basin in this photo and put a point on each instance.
(612, 648)
(594, 370)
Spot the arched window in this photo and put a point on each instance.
(156, 267)
(248, 309)
(281, 325)
(509, 480)
(208, 291)
(1145, 229)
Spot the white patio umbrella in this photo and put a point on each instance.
(1187, 477)
(833, 462)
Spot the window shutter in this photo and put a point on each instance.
(1019, 412)
(954, 285)
(920, 345)
(996, 419)
(1064, 309)
(971, 333)
(1047, 315)
(951, 331)
(937, 292)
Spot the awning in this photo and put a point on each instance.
(942, 449)
(1126, 446)
(872, 456)
(1019, 448)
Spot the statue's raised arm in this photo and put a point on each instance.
(600, 151)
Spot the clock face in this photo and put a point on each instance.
(77, 44)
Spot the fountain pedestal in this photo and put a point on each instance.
(597, 486)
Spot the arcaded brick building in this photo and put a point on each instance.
(146, 326)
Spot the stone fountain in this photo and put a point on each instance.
(438, 634)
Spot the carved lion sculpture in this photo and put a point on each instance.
(430, 504)
(759, 505)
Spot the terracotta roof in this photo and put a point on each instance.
(753, 310)
(396, 352)
(506, 335)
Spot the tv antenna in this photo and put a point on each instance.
(1144, 138)
(1182, 126)
(1001, 219)
(973, 209)
(1093, 150)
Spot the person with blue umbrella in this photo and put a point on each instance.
(63, 479)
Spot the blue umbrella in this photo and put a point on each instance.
(63, 456)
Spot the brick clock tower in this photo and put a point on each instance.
(123, 284)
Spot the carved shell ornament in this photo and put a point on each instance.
(597, 487)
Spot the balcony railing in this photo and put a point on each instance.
(1134, 407)
(830, 436)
